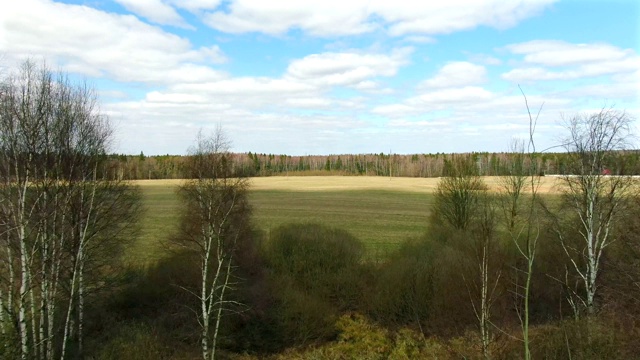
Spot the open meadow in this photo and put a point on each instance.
(379, 211)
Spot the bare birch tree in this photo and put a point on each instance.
(594, 194)
(216, 221)
(52, 140)
(487, 269)
(463, 205)
(520, 213)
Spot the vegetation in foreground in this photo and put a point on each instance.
(512, 274)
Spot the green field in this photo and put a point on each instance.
(381, 219)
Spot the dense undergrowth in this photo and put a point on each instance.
(308, 294)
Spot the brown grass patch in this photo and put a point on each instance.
(337, 183)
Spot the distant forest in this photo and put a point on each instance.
(137, 167)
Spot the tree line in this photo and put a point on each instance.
(507, 274)
(140, 167)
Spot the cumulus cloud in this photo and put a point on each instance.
(455, 74)
(179, 87)
(155, 11)
(437, 100)
(335, 18)
(464, 95)
(309, 103)
(347, 68)
(118, 46)
(443, 17)
(195, 5)
(561, 53)
(559, 60)
(329, 17)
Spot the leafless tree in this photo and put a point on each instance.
(216, 221)
(520, 213)
(593, 195)
(483, 288)
(456, 198)
(55, 211)
(463, 205)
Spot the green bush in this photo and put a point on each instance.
(319, 260)
(9, 346)
(359, 338)
(582, 339)
(404, 288)
(587, 338)
(302, 318)
(134, 341)
(313, 273)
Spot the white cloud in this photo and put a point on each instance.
(195, 5)
(334, 17)
(559, 60)
(155, 11)
(118, 46)
(485, 59)
(467, 94)
(394, 110)
(309, 103)
(347, 68)
(182, 88)
(328, 17)
(175, 98)
(443, 17)
(436, 100)
(455, 74)
(246, 86)
(561, 53)
(420, 39)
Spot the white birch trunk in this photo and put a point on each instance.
(220, 308)
(24, 273)
(204, 305)
(81, 291)
(3, 326)
(22, 311)
(67, 322)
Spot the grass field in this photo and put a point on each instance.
(380, 211)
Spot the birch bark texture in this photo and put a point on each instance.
(58, 217)
(595, 195)
(214, 224)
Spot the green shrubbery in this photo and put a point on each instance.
(309, 294)
(321, 261)
(313, 273)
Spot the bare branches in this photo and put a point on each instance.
(520, 204)
(56, 215)
(592, 193)
(214, 223)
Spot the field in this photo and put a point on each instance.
(381, 212)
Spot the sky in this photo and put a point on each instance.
(320, 77)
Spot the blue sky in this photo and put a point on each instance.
(333, 77)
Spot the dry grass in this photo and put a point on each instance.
(339, 183)
(380, 211)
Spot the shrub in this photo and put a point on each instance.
(134, 341)
(403, 292)
(323, 261)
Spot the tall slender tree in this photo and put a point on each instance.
(519, 190)
(57, 213)
(594, 194)
(215, 222)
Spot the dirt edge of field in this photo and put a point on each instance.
(548, 184)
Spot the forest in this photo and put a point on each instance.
(502, 272)
(140, 167)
